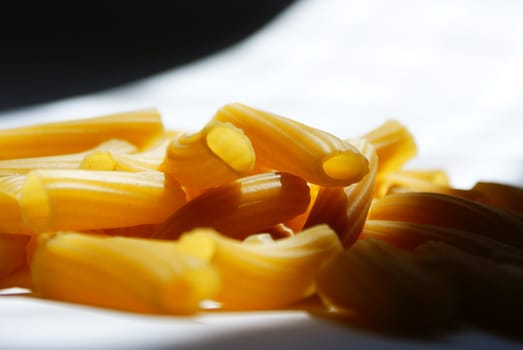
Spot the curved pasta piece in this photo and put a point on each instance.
(394, 143)
(79, 135)
(261, 273)
(450, 211)
(436, 177)
(85, 200)
(248, 205)
(500, 195)
(217, 154)
(99, 160)
(418, 179)
(131, 274)
(409, 235)
(150, 158)
(435, 181)
(345, 208)
(286, 145)
(383, 286)
(63, 161)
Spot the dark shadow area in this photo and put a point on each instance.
(315, 308)
(52, 52)
(508, 329)
(311, 334)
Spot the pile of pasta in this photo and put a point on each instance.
(253, 211)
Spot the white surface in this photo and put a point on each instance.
(452, 71)
(31, 324)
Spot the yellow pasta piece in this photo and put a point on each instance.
(345, 208)
(10, 217)
(421, 180)
(83, 199)
(217, 154)
(160, 140)
(248, 205)
(262, 273)
(382, 285)
(450, 211)
(63, 161)
(99, 160)
(503, 196)
(79, 135)
(394, 144)
(409, 235)
(286, 145)
(131, 274)
(436, 177)
(150, 157)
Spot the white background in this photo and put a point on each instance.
(450, 70)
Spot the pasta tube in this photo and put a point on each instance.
(421, 181)
(63, 161)
(395, 145)
(286, 145)
(217, 154)
(99, 160)
(149, 158)
(262, 273)
(79, 135)
(345, 208)
(450, 211)
(500, 195)
(248, 205)
(83, 199)
(130, 274)
(409, 235)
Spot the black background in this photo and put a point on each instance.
(52, 52)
